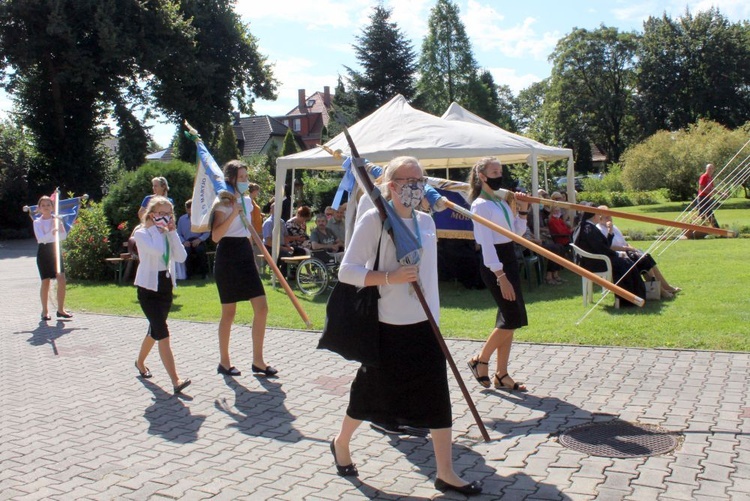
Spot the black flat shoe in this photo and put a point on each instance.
(46, 318)
(498, 380)
(144, 374)
(178, 389)
(344, 471)
(468, 490)
(232, 371)
(268, 371)
(64, 315)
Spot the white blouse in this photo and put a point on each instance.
(236, 227)
(43, 230)
(488, 238)
(152, 245)
(398, 304)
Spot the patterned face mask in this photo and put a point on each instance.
(412, 194)
(162, 221)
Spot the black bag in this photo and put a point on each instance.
(351, 328)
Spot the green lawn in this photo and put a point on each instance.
(712, 312)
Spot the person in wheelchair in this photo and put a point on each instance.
(323, 239)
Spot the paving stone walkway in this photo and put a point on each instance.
(76, 422)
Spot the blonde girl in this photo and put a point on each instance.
(45, 229)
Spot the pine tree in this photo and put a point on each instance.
(388, 62)
(290, 145)
(227, 148)
(447, 65)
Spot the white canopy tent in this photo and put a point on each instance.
(540, 152)
(397, 129)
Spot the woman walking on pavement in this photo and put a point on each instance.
(410, 386)
(500, 272)
(235, 271)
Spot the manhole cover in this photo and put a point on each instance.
(619, 439)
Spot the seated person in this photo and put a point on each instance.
(337, 223)
(643, 261)
(285, 250)
(552, 276)
(625, 274)
(558, 228)
(321, 238)
(194, 243)
(297, 230)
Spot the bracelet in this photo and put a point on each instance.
(386, 279)
(499, 277)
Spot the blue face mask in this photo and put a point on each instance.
(242, 186)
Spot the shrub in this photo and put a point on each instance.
(87, 245)
(320, 189)
(125, 196)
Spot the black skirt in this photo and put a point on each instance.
(235, 271)
(156, 305)
(410, 387)
(510, 314)
(45, 261)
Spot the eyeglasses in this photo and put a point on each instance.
(163, 214)
(410, 180)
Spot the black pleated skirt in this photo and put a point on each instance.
(510, 314)
(235, 271)
(410, 387)
(45, 261)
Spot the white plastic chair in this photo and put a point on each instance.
(587, 285)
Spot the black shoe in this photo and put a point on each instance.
(268, 371)
(344, 471)
(232, 371)
(64, 315)
(178, 389)
(388, 429)
(467, 490)
(46, 318)
(144, 374)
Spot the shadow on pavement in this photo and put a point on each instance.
(169, 418)
(260, 413)
(47, 334)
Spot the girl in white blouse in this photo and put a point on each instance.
(46, 227)
(159, 247)
(499, 271)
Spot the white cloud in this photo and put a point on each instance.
(510, 77)
(486, 29)
(320, 15)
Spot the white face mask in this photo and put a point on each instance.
(162, 221)
(412, 194)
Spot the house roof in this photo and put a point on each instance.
(253, 133)
(317, 107)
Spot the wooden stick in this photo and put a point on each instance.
(627, 295)
(635, 217)
(280, 276)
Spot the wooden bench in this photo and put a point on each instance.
(118, 264)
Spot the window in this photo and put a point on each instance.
(297, 125)
(285, 122)
(310, 103)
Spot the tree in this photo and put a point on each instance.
(133, 139)
(592, 86)
(344, 109)
(693, 67)
(387, 60)
(18, 169)
(227, 148)
(447, 66)
(290, 144)
(68, 62)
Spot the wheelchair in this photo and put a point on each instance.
(315, 273)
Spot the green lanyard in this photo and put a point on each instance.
(165, 256)
(497, 202)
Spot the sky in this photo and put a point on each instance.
(310, 43)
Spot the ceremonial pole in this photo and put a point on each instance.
(58, 264)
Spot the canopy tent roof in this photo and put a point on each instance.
(543, 152)
(397, 129)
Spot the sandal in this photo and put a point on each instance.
(498, 381)
(473, 367)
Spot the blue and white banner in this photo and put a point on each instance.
(209, 186)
